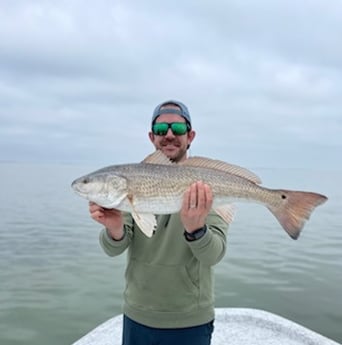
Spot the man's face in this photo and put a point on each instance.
(173, 146)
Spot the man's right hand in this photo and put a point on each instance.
(110, 218)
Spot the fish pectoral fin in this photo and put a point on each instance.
(203, 162)
(226, 212)
(158, 157)
(146, 222)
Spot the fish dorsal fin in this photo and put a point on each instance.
(203, 162)
(157, 157)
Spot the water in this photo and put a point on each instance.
(56, 284)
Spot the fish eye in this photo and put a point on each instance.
(86, 180)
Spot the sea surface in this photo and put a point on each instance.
(56, 284)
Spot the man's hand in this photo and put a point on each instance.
(197, 203)
(110, 218)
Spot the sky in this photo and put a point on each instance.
(262, 79)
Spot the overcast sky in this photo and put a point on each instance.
(262, 79)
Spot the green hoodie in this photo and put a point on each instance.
(169, 280)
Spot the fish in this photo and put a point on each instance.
(157, 185)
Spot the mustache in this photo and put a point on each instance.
(170, 141)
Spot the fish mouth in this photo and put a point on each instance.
(78, 191)
(76, 186)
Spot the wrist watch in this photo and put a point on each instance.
(197, 234)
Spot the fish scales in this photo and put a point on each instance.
(148, 181)
(157, 186)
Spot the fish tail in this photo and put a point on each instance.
(294, 209)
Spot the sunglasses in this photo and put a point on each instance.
(177, 128)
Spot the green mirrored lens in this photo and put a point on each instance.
(160, 128)
(177, 128)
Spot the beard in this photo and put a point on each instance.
(173, 149)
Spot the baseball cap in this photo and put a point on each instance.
(182, 111)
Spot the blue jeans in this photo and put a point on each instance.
(136, 334)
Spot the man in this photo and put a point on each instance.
(169, 285)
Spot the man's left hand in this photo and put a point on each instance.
(197, 202)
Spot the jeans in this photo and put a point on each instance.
(136, 334)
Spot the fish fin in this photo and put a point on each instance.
(203, 162)
(295, 208)
(146, 222)
(158, 157)
(226, 212)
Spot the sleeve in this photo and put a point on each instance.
(211, 248)
(112, 247)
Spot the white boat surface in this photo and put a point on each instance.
(233, 326)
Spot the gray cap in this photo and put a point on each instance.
(182, 111)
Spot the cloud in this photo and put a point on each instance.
(79, 81)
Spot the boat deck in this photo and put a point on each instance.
(233, 326)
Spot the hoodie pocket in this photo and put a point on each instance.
(160, 288)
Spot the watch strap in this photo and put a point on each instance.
(195, 235)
